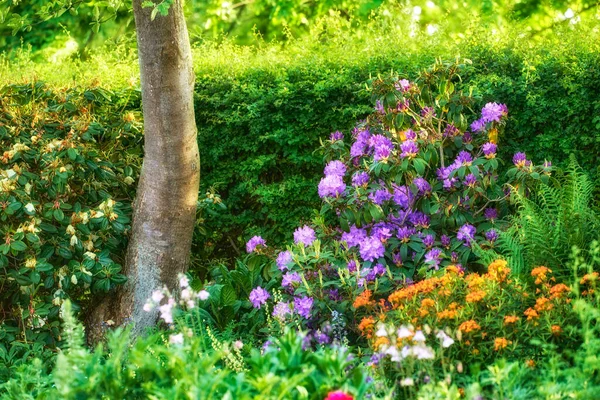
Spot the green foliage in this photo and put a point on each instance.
(65, 194)
(550, 220)
(152, 367)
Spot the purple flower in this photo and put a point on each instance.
(467, 138)
(429, 241)
(322, 338)
(434, 257)
(371, 249)
(405, 233)
(337, 135)
(464, 158)
(397, 259)
(334, 295)
(305, 235)
(281, 309)
(331, 186)
(379, 107)
(284, 259)
(382, 231)
(490, 213)
(403, 196)
(466, 233)
(380, 196)
(410, 134)
(352, 266)
(470, 180)
(547, 164)
(403, 105)
(357, 149)
(303, 305)
(403, 85)
(489, 150)
(409, 149)
(259, 296)
(335, 168)
(288, 279)
(254, 242)
(491, 235)
(423, 187)
(355, 236)
(478, 125)
(382, 147)
(450, 131)
(445, 239)
(493, 112)
(427, 112)
(360, 179)
(520, 160)
(419, 219)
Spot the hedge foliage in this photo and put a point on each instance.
(259, 126)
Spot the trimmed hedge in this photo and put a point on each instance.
(259, 127)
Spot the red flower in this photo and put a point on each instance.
(338, 395)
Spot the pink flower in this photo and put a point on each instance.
(338, 395)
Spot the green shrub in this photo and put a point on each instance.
(65, 193)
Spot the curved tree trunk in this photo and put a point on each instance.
(165, 206)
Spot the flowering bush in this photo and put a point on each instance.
(415, 190)
(64, 208)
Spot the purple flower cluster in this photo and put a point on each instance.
(403, 196)
(403, 85)
(423, 187)
(466, 233)
(380, 196)
(520, 160)
(491, 235)
(305, 235)
(331, 186)
(371, 249)
(409, 149)
(335, 168)
(489, 150)
(253, 243)
(258, 297)
(381, 146)
(303, 305)
(359, 147)
(289, 278)
(493, 112)
(433, 257)
(335, 136)
(284, 259)
(360, 178)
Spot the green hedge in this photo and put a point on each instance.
(259, 127)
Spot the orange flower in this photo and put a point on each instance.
(469, 326)
(589, 278)
(453, 269)
(530, 313)
(474, 297)
(424, 286)
(501, 343)
(475, 281)
(366, 324)
(498, 270)
(453, 306)
(540, 274)
(510, 319)
(556, 329)
(557, 290)
(530, 363)
(427, 303)
(363, 299)
(380, 341)
(543, 304)
(447, 314)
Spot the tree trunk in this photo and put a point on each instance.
(165, 206)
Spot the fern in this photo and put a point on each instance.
(552, 219)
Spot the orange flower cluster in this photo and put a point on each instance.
(510, 319)
(363, 299)
(366, 326)
(587, 278)
(498, 270)
(540, 274)
(557, 291)
(469, 326)
(380, 341)
(476, 296)
(501, 343)
(556, 329)
(531, 314)
(543, 304)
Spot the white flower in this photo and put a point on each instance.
(73, 279)
(186, 294)
(238, 344)
(407, 382)
(166, 311)
(30, 208)
(394, 354)
(381, 331)
(148, 307)
(203, 295)
(157, 296)
(90, 255)
(74, 240)
(423, 352)
(184, 282)
(419, 337)
(404, 332)
(190, 304)
(447, 341)
(176, 339)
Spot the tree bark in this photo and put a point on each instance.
(165, 206)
